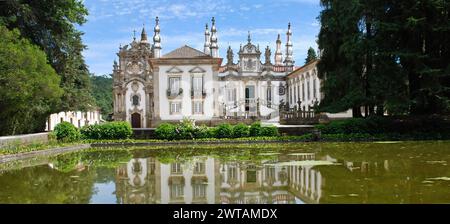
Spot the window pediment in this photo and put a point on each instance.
(197, 70)
(174, 70)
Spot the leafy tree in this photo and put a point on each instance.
(102, 92)
(29, 86)
(50, 24)
(311, 55)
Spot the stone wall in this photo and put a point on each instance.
(6, 141)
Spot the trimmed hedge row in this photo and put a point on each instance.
(67, 132)
(384, 125)
(187, 130)
(110, 130)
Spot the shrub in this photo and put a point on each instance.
(110, 130)
(66, 132)
(203, 132)
(166, 131)
(91, 132)
(255, 129)
(185, 130)
(120, 130)
(224, 131)
(241, 130)
(269, 131)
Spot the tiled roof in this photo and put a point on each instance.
(304, 68)
(185, 52)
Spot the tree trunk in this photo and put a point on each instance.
(380, 110)
(356, 112)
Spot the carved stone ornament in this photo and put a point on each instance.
(281, 91)
(250, 64)
(135, 86)
(134, 67)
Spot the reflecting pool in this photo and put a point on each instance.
(380, 172)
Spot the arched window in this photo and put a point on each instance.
(135, 100)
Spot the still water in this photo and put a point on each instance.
(382, 172)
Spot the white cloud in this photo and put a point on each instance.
(146, 8)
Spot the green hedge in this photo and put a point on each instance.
(110, 130)
(241, 130)
(66, 132)
(187, 130)
(387, 125)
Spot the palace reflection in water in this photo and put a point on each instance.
(409, 172)
(208, 180)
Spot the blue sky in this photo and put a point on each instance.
(111, 23)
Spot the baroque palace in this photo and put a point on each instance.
(151, 87)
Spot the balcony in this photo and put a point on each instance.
(171, 94)
(198, 93)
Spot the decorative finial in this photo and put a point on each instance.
(213, 20)
(143, 34)
(134, 34)
(157, 20)
(248, 38)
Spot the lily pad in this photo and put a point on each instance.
(388, 142)
(269, 153)
(439, 178)
(301, 154)
(306, 163)
(436, 162)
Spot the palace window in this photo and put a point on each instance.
(314, 88)
(269, 96)
(199, 190)
(290, 95)
(197, 86)
(232, 173)
(176, 168)
(174, 85)
(231, 95)
(135, 100)
(308, 90)
(199, 168)
(175, 107)
(295, 94)
(197, 107)
(303, 91)
(176, 191)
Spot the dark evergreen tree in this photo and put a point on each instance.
(389, 55)
(311, 55)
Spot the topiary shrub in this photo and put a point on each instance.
(224, 131)
(269, 131)
(91, 132)
(166, 131)
(119, 130)
(241, 130)
(110, 130)
(255, 129)
(66, 132)
(186, 129)
(203, 132)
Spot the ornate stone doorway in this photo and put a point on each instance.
(136, 120)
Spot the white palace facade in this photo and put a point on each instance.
(150, 87)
